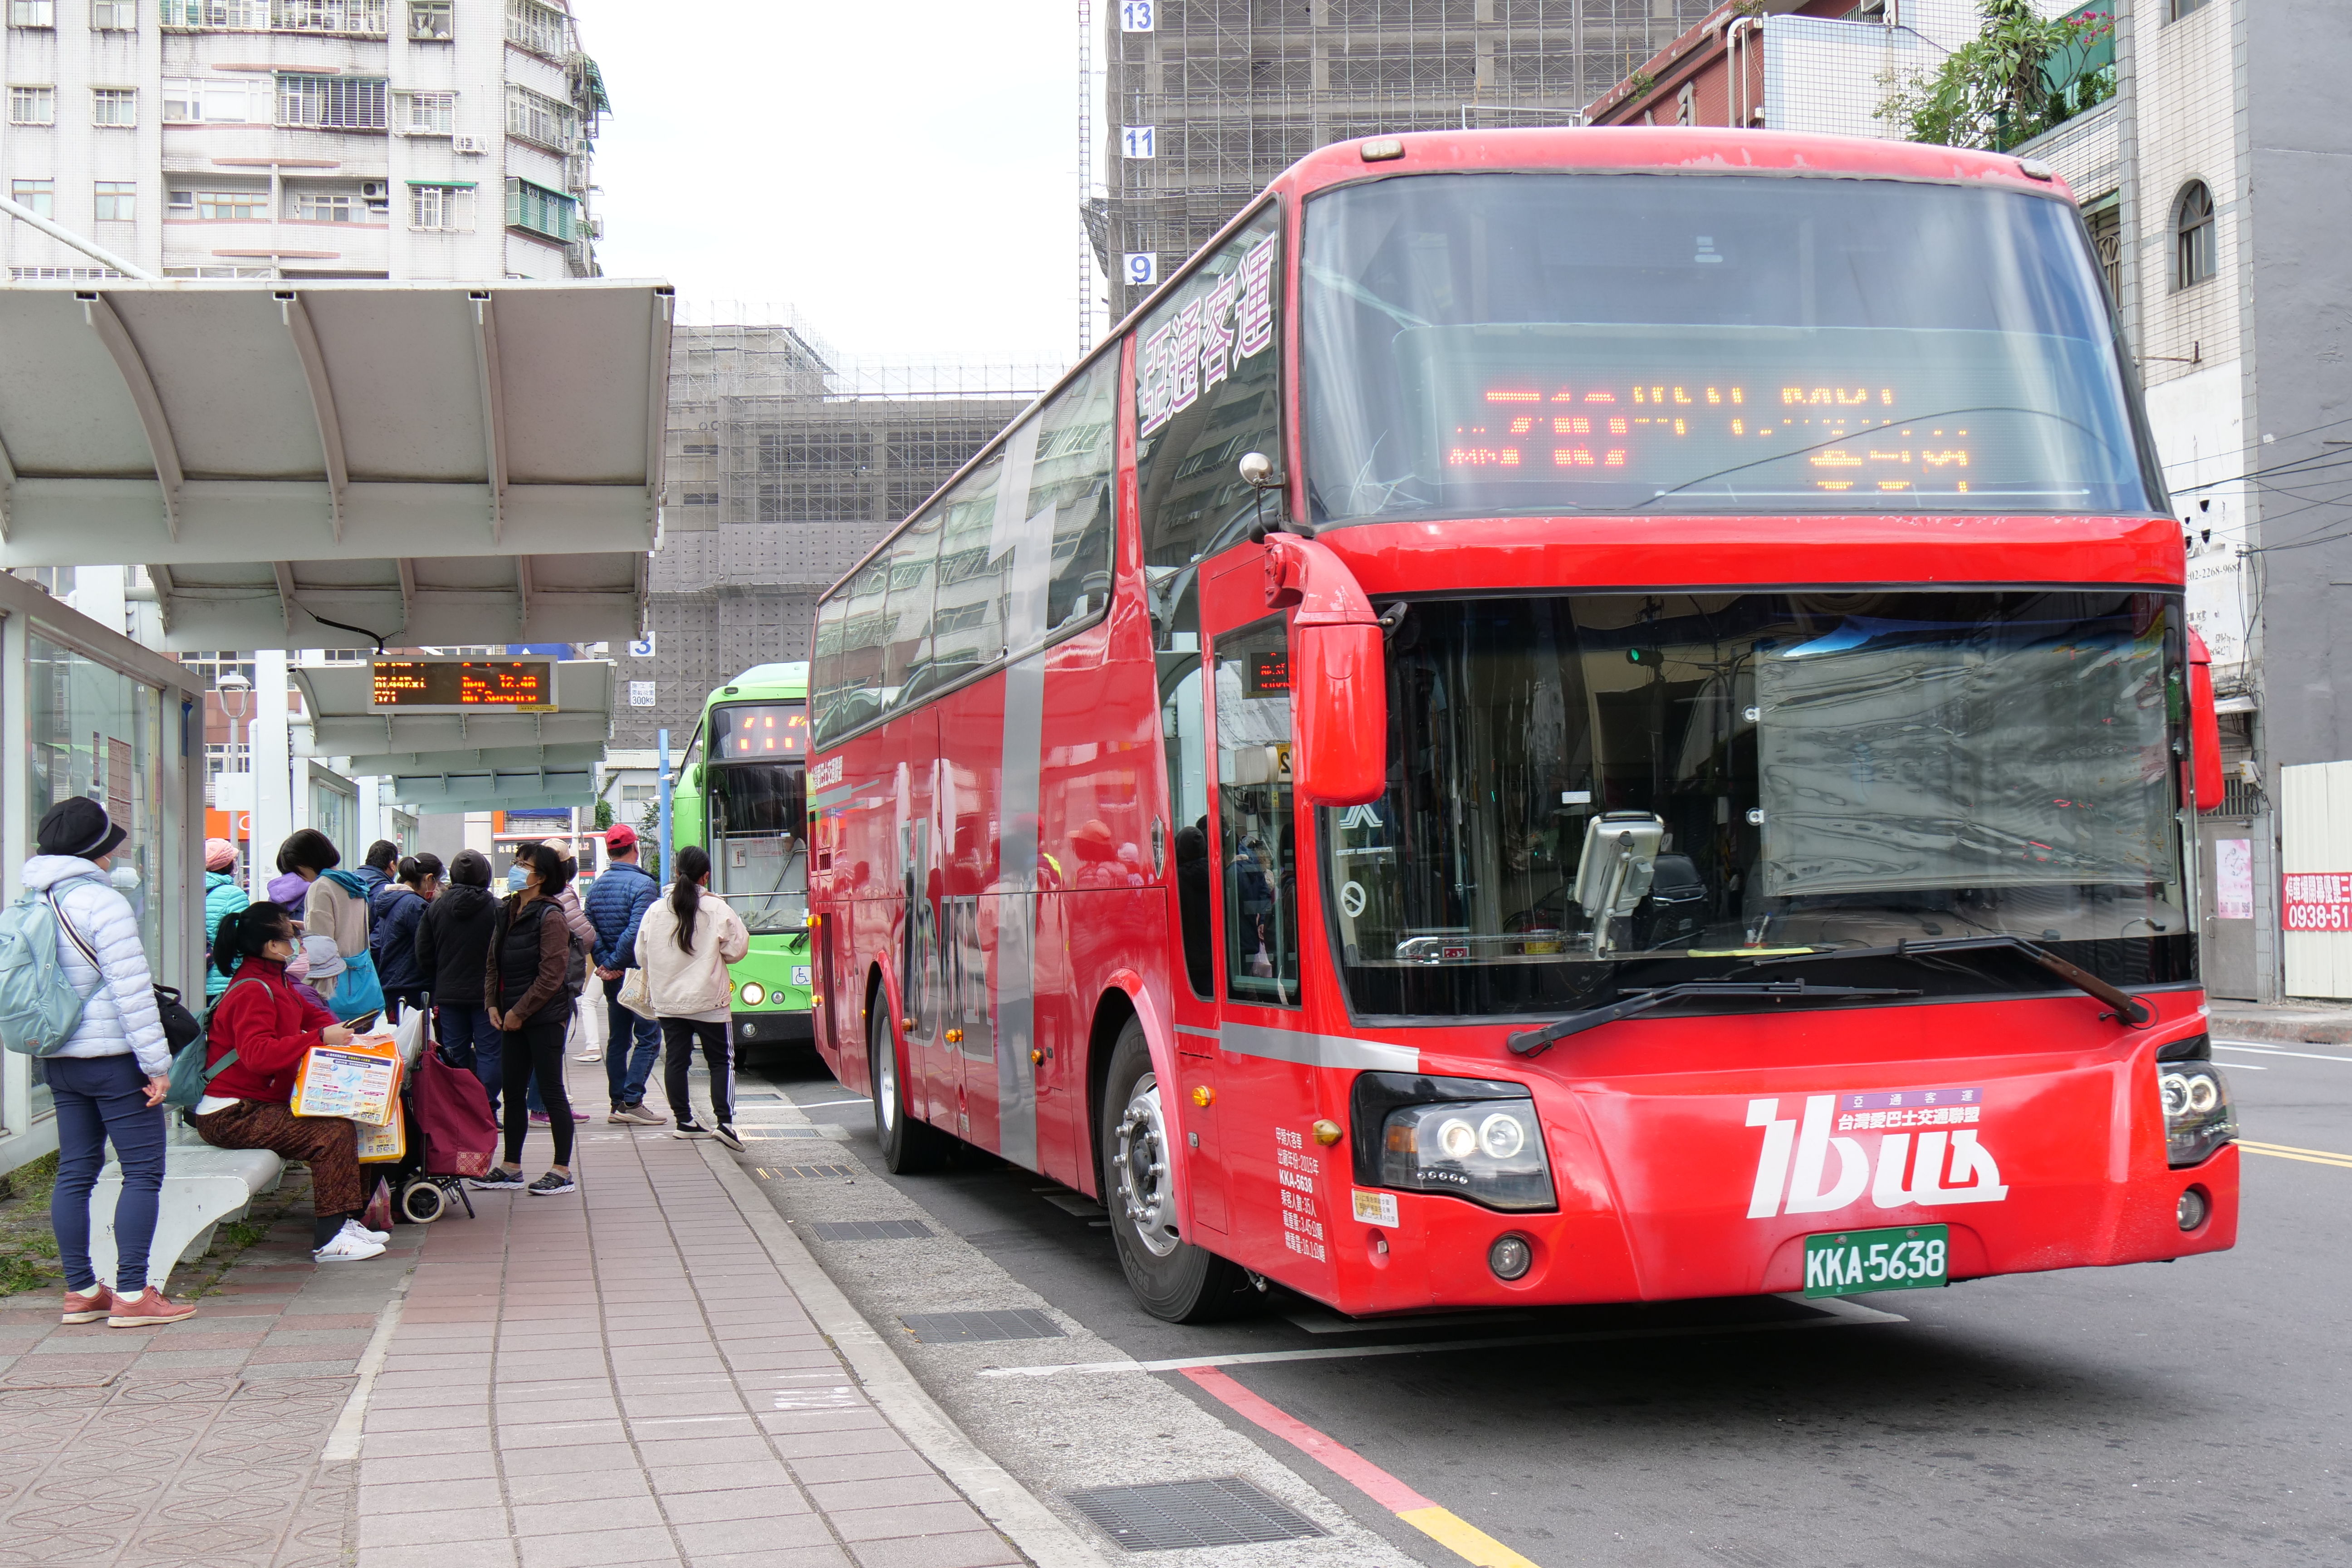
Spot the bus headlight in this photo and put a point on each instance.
(754, 994)
(1470, 1138)
(2195, 1099)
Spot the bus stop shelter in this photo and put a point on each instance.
(342, 463)
(490, 761)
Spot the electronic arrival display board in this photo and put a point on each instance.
(463, 685)
(1833, 419)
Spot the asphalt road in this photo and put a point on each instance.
(2191, 1413)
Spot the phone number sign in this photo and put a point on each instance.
(2318, 901)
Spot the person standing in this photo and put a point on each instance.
(222, 897)
(248, 1103)
(583, 938)
(334, 906)
(108, 1079)
(376, 873)
(684, 944)
(529, 983)
(616, 907)
(452, 951)
(398, 908)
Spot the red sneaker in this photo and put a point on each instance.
(88, 1306)
(147, 1310)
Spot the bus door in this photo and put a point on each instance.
(1192, 921)
(931, 1065)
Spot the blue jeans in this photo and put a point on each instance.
(468, 1039)
(97, 1098)
(628, 1069)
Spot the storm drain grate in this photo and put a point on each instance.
(802, 1173)
(870, 1229)
(1226, 1512)
(950, 1328)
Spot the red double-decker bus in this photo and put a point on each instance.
(1562, 716)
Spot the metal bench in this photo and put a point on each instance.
(202, 1187)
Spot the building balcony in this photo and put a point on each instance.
(2086, 151)
(344, 18)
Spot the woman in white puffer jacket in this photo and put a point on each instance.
(685, 943)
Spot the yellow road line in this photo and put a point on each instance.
(1463, 1539)
(2288, 1151)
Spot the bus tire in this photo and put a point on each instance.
(1175, 1280)
(909, 1146)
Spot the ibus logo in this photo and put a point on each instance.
(1949, 1166)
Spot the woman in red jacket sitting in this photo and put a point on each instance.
(248, 1103)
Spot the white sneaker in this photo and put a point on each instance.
(350, 1245)
(354, 1227)
(591, 1055)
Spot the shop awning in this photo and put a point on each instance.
(340, 721)
(429, 463)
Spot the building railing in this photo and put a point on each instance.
(356, 18)
(2086, 151)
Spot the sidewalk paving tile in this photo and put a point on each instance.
(970, 1549)
(598, 1549)
(907, 1518)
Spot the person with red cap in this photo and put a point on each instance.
(222, 897)
(616, 906)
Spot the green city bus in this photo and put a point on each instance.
(741, 793)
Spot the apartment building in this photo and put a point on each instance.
(403, 139)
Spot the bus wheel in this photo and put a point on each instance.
(1174, 1279)
(909, 1146)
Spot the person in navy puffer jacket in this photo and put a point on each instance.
(395, 910)
(616, 905)
(108, 1079)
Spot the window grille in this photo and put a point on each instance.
(431, 21)
(2192, 227)
(32, 106)
(210, 271)
(331, 102)
(59, 275)
(114, 15)
(540, 210)
(217, 204)
(117, 201)
(535, 117)
(429, 114)
(364, 17)
(541, 29)
(41, 196)
(32, 13)
(443, 209)
(217, 15)
(114, 106)
(319, 206)
(189, 100)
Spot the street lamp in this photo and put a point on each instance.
(236, 693)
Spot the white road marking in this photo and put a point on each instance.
(813, 1104)
(1834, 1313)
(2274, 1051)
(2240, 1067)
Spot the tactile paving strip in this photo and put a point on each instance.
(951, 1328)
(870, 1229)
(792, 1173)
(1224, 1512)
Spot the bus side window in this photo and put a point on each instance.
(966, 630)
(1184, 722)
(1254, 814)
(1072, 481)
(865, 627)
(907, 642)
(1206, 394)
(824, 669)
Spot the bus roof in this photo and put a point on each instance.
(767, 681)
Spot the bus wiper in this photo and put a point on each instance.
(1533, 1041)
(2128, 1009)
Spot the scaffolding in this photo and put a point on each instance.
(1232, 92)
(787, 461)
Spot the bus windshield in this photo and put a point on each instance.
(1496, 344)
(1616, 790)
(759, 852)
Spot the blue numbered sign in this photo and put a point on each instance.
(1143, 268)
(1136, 140)
(1135, 16)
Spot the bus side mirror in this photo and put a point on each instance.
(2204, 727)
(1338, 674)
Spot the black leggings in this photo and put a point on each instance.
(535, 1051)
(678, 1036)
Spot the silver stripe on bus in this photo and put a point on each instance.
(1319, 1050)
(1016, 922)
(1196, 1029)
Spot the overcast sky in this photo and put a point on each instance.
(903, 175)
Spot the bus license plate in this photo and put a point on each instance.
(1907, 1258)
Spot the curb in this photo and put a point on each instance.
(1003, 1501)
(2284, 1030)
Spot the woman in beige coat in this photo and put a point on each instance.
(685, 943)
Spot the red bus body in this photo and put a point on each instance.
(1678, 1145)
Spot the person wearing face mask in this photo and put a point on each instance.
(267, 1028)
(108, 1079)
(531, 982)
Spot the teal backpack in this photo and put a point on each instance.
(190, 1076)
(39, 1008)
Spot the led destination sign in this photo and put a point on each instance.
(463, 685)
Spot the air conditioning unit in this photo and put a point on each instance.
(595, 228)
(375, 190)
(476, 146)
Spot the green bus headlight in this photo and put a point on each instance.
(754, 994)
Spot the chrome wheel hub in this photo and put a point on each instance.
(1145, 1192)
(885, 1086)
